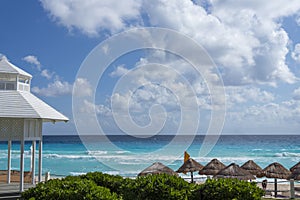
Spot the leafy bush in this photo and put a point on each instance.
(69, 188)
(155, 187)
(113, 182)
(228, 189)
(97, 185)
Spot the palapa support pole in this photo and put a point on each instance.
(292, 189)
(33, 162)
(8, 161)
(192, 178)
(275, 186)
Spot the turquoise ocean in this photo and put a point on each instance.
(128, 155)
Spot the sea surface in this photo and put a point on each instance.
(128, 155)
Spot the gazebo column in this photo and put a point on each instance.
(22, 166)
(8, 161)
(40, 160)
(33, 162)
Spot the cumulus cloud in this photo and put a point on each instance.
(57, 88)
(94, 16)
(296, 53)
(47, 74)
(119, 71)
(246, 94)
(282, 117)
(33, 60)
(82, 88)
(244, 38)
(296, 94)
(61, 88)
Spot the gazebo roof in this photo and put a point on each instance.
(7, 68)
(157, 168)
(22, 104)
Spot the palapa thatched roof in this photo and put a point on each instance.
(212, 168)
(190, 166)
(295, 174)
(252, 167)
(275, 170)
(295, 167)
(234, 171)
(157, 168)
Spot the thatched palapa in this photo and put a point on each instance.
(190, 166)
(295, 167)
(275, 170)
(295, 174)
(234, 171)
(157, 168)
(212, 168)
(252, 167)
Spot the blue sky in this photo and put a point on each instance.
(255, 46)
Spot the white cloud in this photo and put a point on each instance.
(89, 107)
(245, 38)
(272, 118)
(298, 20)
(93, 16)
(246, 94)
(33, 60)
(296, 94)
(120, 71)
(247, 43)
(47, 74)
(57, 88)
(82, 88)
(296, 53)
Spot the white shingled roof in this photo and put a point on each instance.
(8, 68)
(23, 104)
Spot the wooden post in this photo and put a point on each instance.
(292, 189)
(192, 181)
(8, 161)
(40, 160)
(22, 166)
(275, 186)
(33, 162)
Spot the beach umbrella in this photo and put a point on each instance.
(212, 168)
(275, 170)
(295, 167)
(295, 174)
(234, 171)
(157, 168)
(190, 166)
(252, 167)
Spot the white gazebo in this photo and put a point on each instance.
(22, 115)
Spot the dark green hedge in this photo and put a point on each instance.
(228, 189)
(153, 187)
(69, 188)
(97, 185)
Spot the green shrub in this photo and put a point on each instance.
(113, 182)
(228, 189)
(155, 187)
(69, 188)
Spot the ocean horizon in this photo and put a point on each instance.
(127, 155)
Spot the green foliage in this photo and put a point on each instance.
(154, 187)
(228, 189)
(113, 182)
(73, 188)
(97, 185)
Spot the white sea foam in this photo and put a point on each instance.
(77, 173)
(97, 152)
(287, 154)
